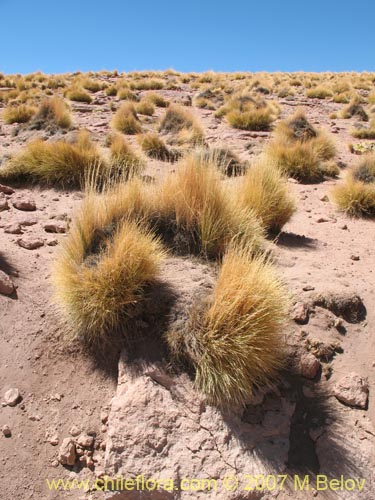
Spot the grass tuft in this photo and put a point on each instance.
(234, 341)
(126, 120)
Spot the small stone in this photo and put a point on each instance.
(24, 204)
(13, 229)
(344, 227)
(308, 288)
(54, 440)
(85, 441)
(354, 257)
(309, 366)
(6, 189)
(12, 397)
(104, 417)
(27, 221)
(6, 284)
(324, 198)
(75, 431)
(52, 243)
(321, 219)
(6, 431)
(67, 452)
(352, 390)
(3, 204)
(300, 313)
(55, 227)
(30, 243)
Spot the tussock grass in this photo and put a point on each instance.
(147, 84)
(365, 133)
(319, 92)
(198, 215)
(101, 274)
(256, 119)
(18, 114)
(125, 94)
(57, 163)
(222, 158)
(356, 194)
(301, 151)
(234, 341)
(78, 94)
(52, 111)
(91, 85)
(154, 147)
(156, 99)
(355, 109)
(145, 107)
(265, 190)
(126, 120)
(125, 163)
(182, 125)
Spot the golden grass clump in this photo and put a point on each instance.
(356, 194)
(234, 341)
(156, 99)
(147, 84)
(91, 85)
(154, 147)
(78, 94)
(251, 119)
(52, 111)
(182, 125)
(126, 120)
(222, 158)
(264, 189)
(18, 114)
(301, 151)
(365, 133)
(145, 107)
(57, 163)
(125, 163)
(101, 274)
(198, 215)
(125, 94)
(319, 92)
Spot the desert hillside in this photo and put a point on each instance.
(187, 283)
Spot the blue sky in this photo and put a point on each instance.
(232, 35)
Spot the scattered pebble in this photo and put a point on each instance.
(12, 397)
(6, 284)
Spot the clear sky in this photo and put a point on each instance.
(192, 35)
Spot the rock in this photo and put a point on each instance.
(85, 441)
(27, 221)
(324, 198)
(13, 229)
(352, 390)
(104, 417)
(30, 243)
(3, 203)
(347, 305)
(67, 452)
(344, 227)
(309, 366)
(6, 431)
(308, 288)
(55, 227)
(75, 431)
(52, 243)
(54, 440)
(322, 219)
(354, 257)
(24, 204)
(300, 313)
(6, 284)
(12, 397)
(6, 189)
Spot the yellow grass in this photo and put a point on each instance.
(234, 342)
(126, 120)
